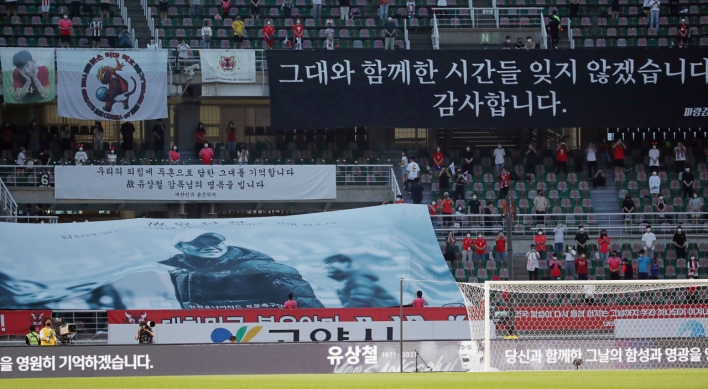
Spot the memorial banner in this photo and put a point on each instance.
(343, 259)
(489, 89)
(229, 66)
(197, 182)
(28, 75)
(112, 85)
(18, 322)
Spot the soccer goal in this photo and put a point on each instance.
(563, 325)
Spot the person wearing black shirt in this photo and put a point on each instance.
(417, 191)
(44, 157)
(581, 241)
(680, 243)
(450, 248)
(467, 159)
(519, 44)
(444, 180)
(144, 335)
(554, 29)
(474, 207)
(127, 129)
(627, 207)
(599, 181)
(487, 215)
(460, 182)
(507, 44)
(531, 155)
(158, 133)
(687, 183)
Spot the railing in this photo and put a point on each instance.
(395, 189)
(147, 11)
(30, 219)
(521, 17)
(570, 35)
(8, 202)
(405, 34)
(365, 175)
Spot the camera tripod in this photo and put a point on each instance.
(423, 360)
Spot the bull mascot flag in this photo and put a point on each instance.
(118, 88)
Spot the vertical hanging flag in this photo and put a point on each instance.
(28, 75)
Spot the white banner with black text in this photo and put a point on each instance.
(231, 66)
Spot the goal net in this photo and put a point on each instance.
(563, 325)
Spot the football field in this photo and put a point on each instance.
(628, 379)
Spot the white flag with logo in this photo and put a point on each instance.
(112, 85)
(233, 66)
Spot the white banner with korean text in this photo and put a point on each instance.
(231, 66)
(196, 182)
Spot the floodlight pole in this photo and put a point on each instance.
(509, 223)
(400, 321)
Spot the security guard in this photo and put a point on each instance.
(32, 339)
(47, 335)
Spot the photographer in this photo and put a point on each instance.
(145, 334)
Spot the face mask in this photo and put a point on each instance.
(499, 145)
(206, 144)
(679, 230)
(687, 170)
(81, 149)
(474, 197)
(479, 236)
(66, 17)
(174, 148)
(540, 233)
(654, 146)
(298, 22)
(468, 149)
(582, 230)
(648, 229)
(695, 196)
(113, 152)
(528, 40)
(661, 198)
(468, 235)
(438, 148)
(653, 173)
(508, 40)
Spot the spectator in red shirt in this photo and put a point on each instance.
(561, 158)
(269, 34)
(291, 303)
(298, 34)
(500, 247)
(419, 302)
(603, 242)
(480, 248)
(438, 159)
(604, 155)
(581, 267)
(399, 200)
(683, 34)
(555, 267)
(433, 212)
(200, 139)
(206, 154)
(467, 244)
(65, 31)
(447, 207)
(540, 240)
(231, 137)
(504, 179)
(619, 148)
(615, 265)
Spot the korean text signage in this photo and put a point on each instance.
(28, 75)
(198, 183)
(230, 66)
(18, 322)
(489, 89)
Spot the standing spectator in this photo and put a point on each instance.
(532, 263)
(183, 56)
(555, 267)
(591, 159)
(413, 169)
(152, 45)
(158, 135)
(95, 29)
(687, 181)
(603, 246)
(206, 35)
(581, 267)
(488, 212)
(500, 247)
(654, 158)
(540, 241)
(344, 9)
(80, 157)
(298, 34)
(200, 138)
(561, 158)
(433, 212)
(673, 7)
(98, 133)
(410, 9)
(619, 148)
(604, 155)
(417, 191)
(390, 36)
(499, 155)
(230, 137)
(480, 248)
(628, 269)
(65, 26)
(693, 267)
(329, 35)
(64, 137)
(404, 165)
(21, 157)
(654, 270)
(242, 155)
(237, 27)
(195, 8)
(206, 154)
(34, 136)
(654, 16)
(174, 155)
(11, 8)
(615, 265)
(75, 8)
(44, 8)
(460, 183)
(291, 303)
(450, 248)
(383, 9)
(442, 4)
(642, 266)
(447, 206)
(654, 184)
(695, 207)
(504, 180)
(531, 155)
(444, 180)
(680, 157)
(661, 207)
(554, 27)
(646, 7)
(683, 33)
(581, 240)
(127, 129)
(540, 205)
(599, 180)
(316, 9)
(419, 301)
(679, 242)
(125, 41)
(649, 240)
(225, 5)
(530, 44)
(112, 157)
(559, 238)
(627, 209)
(507, 45)
(467, 159)
(570, 261)
(162, 4)
(287, 8)
(574, 6)
(438, 159)
(474, 207)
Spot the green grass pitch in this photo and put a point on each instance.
(631, 379)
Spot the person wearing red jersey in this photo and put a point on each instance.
(615, 265)
(504, 179)
(399, 200)
(447, 207)
(467, 244)
(500, 247)
(438, 159)
(603, 242)
(618, 150)
(555, 266)
(561, 158)
(480, 248)
(206, 154)
(269, 34)
(65, 26)
(433, 212)
(581, 267)
(298, 34)
(419, 302)
(291, 303)
(683, 34)
(540, 241)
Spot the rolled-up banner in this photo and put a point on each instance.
(28, 75)
(230, 66)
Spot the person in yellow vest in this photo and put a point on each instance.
(47, 335)
(32, 339)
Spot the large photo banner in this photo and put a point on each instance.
(489, 89)
(351, 259)
(229, 66)
(112, 85)
(196, 182)
(28, 75)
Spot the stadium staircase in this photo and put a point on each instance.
(138, 22)
(7, 202)
(605, 200)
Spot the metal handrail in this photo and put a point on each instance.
(8, 202)
(570, 35)
(394, 184)
(30, 219)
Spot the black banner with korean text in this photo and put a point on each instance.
(631, 87)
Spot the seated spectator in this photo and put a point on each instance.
(81, 157)
(419, 301)
(399, 200)
(598, 180)
(519, 44)
(125, 41)
(112, 157)
(530, 44)
(507, 45)
(661, 207)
